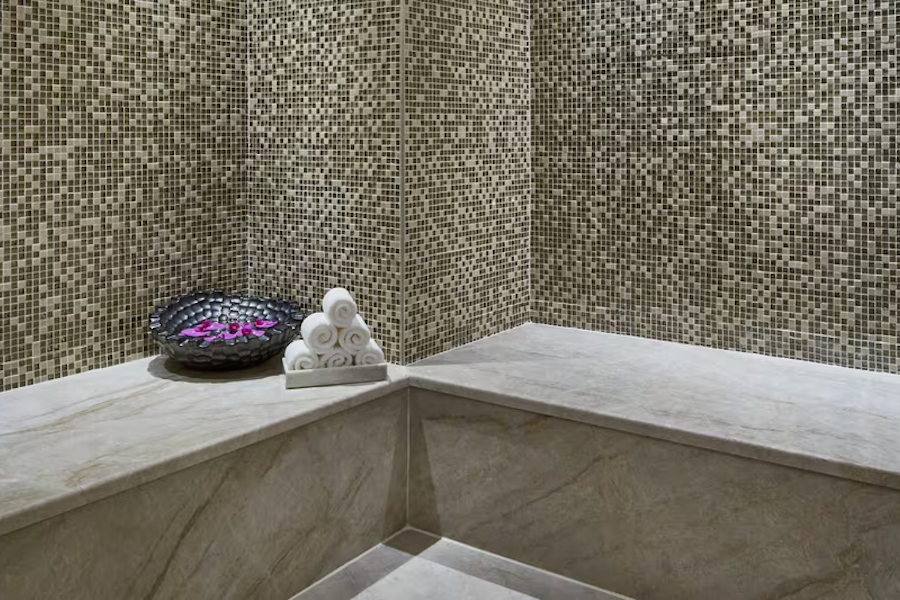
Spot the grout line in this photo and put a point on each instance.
(532, 191)
(408, 450)
(402, 332)
(473, 549)
(417, 530)
(248, 147)
(331, 574)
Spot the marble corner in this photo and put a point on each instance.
(262, 522)
(507, 573)
(416, 565)
(419, 579)
(644, 517)
(355, 577)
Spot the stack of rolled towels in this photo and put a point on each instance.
(336, 337)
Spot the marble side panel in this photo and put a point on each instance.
(71, 441)
(823, 418)
(644, 517)
(262, 522)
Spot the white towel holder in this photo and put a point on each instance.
(336, 376)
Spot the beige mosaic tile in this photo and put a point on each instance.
(324, 184)
(121, 167)
(723, 175)
(468, 171)
(720, 175)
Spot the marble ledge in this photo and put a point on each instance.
(820, 418)
(72, 441)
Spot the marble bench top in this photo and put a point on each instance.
(75, 440)
(822, 418)
(71, 441)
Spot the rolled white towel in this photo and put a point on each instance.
(299, 357)
(318, 333)
(370, 355)
(340, 307)
(336, 357)
(355, 338)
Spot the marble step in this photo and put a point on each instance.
(414, 565)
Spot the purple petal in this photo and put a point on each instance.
(213, 338)
(227, 335)
(216, 326)
(193, 332)
(263, 324)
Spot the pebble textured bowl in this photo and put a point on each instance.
(182, 312)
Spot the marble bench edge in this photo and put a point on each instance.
(57, 504)
(408, 377)
(824, 465)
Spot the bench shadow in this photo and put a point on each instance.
(162, 367)
(370, 567)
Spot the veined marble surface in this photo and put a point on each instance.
(260, 523)
(413, 565)
(75, 440)
(643, 517)
(828, 419)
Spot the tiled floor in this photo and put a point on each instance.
(415, 566)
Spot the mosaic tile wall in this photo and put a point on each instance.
(122, 143)
(468, 171)
(433, 232)
(720, 174)
(324, 183)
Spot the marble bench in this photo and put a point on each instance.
(652, 469)
(660, 470)
(142, 481)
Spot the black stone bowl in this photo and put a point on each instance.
(182, 312)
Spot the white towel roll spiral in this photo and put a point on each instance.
(334, 358)
(356, 337)
(319, 333)
(370, 355)
(340, 307)
(299, 357)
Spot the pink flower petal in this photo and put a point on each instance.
(192, 332)
(263, 324)
(248, 330)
